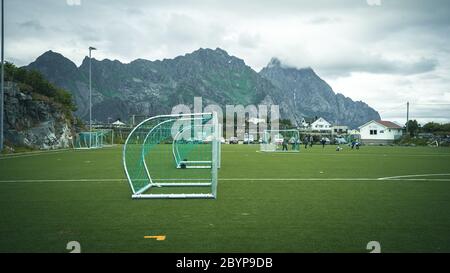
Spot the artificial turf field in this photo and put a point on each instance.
(318, 200)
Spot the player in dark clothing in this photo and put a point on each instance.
(323, 141)
(305, 140)
(285, 144)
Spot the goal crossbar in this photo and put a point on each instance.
(147, 161)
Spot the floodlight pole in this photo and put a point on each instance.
(2, 92)
(90, 96)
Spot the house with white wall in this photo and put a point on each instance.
(339, 130)
(321, 125)
(380, 132)
(305, 123)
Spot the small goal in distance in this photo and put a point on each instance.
(93, 140)
(282, 140)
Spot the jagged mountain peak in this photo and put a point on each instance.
(218, 51)
(50, 54)
(51, 57)
(312, 96)
(211, 54)
(104, 62)
(144, 87)
(276, 63)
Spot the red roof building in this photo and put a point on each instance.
(378, 132)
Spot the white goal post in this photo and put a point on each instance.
(173, 156)
(282, 140)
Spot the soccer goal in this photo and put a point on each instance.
(188, 153)
(173, 156)
(280, 141)
(106, 137)
(95, 139)
(87, 140)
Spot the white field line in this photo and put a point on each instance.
(4, 157)
(413, 175)
(229, 179)
(353, 154)
(36, 152)
(329, 179)
(61, 180)
(28, 154)
(50, 152)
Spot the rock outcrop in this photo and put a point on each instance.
(34, 121)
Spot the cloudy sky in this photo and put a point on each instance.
(383, 52)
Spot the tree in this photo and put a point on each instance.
(412, 127)
(431, 127)
(436, 128)
(285, 124)
(34, 82)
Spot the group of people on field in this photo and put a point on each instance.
(308, 140)
(293, 143)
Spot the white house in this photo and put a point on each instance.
(380, 132)
(321, 125)
(303, 123)
(339, 129)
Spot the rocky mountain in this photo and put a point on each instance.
(312, 96)
(144, 87)
(38, 115)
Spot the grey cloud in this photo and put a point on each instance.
(400, 38)
(379, 65)
(32, 24)
(249, 40)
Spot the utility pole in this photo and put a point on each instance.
(2, 93)
(90, 96)
(407, 116)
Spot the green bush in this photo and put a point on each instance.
(409, 140)
(32, 81)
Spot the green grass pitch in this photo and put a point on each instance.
(318, 200)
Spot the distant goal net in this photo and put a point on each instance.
(280, 141)
(174, 156)
(95, 139)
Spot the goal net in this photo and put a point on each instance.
(173, 156)
(106, 137)
(280, 141)
(94, 139)
(87, 140)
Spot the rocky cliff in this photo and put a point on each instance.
(311, 96)
(34, 121)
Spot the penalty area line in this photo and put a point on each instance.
(5, 157)
(412, 176)
(399, 178)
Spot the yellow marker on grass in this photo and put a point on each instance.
(157, 237)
